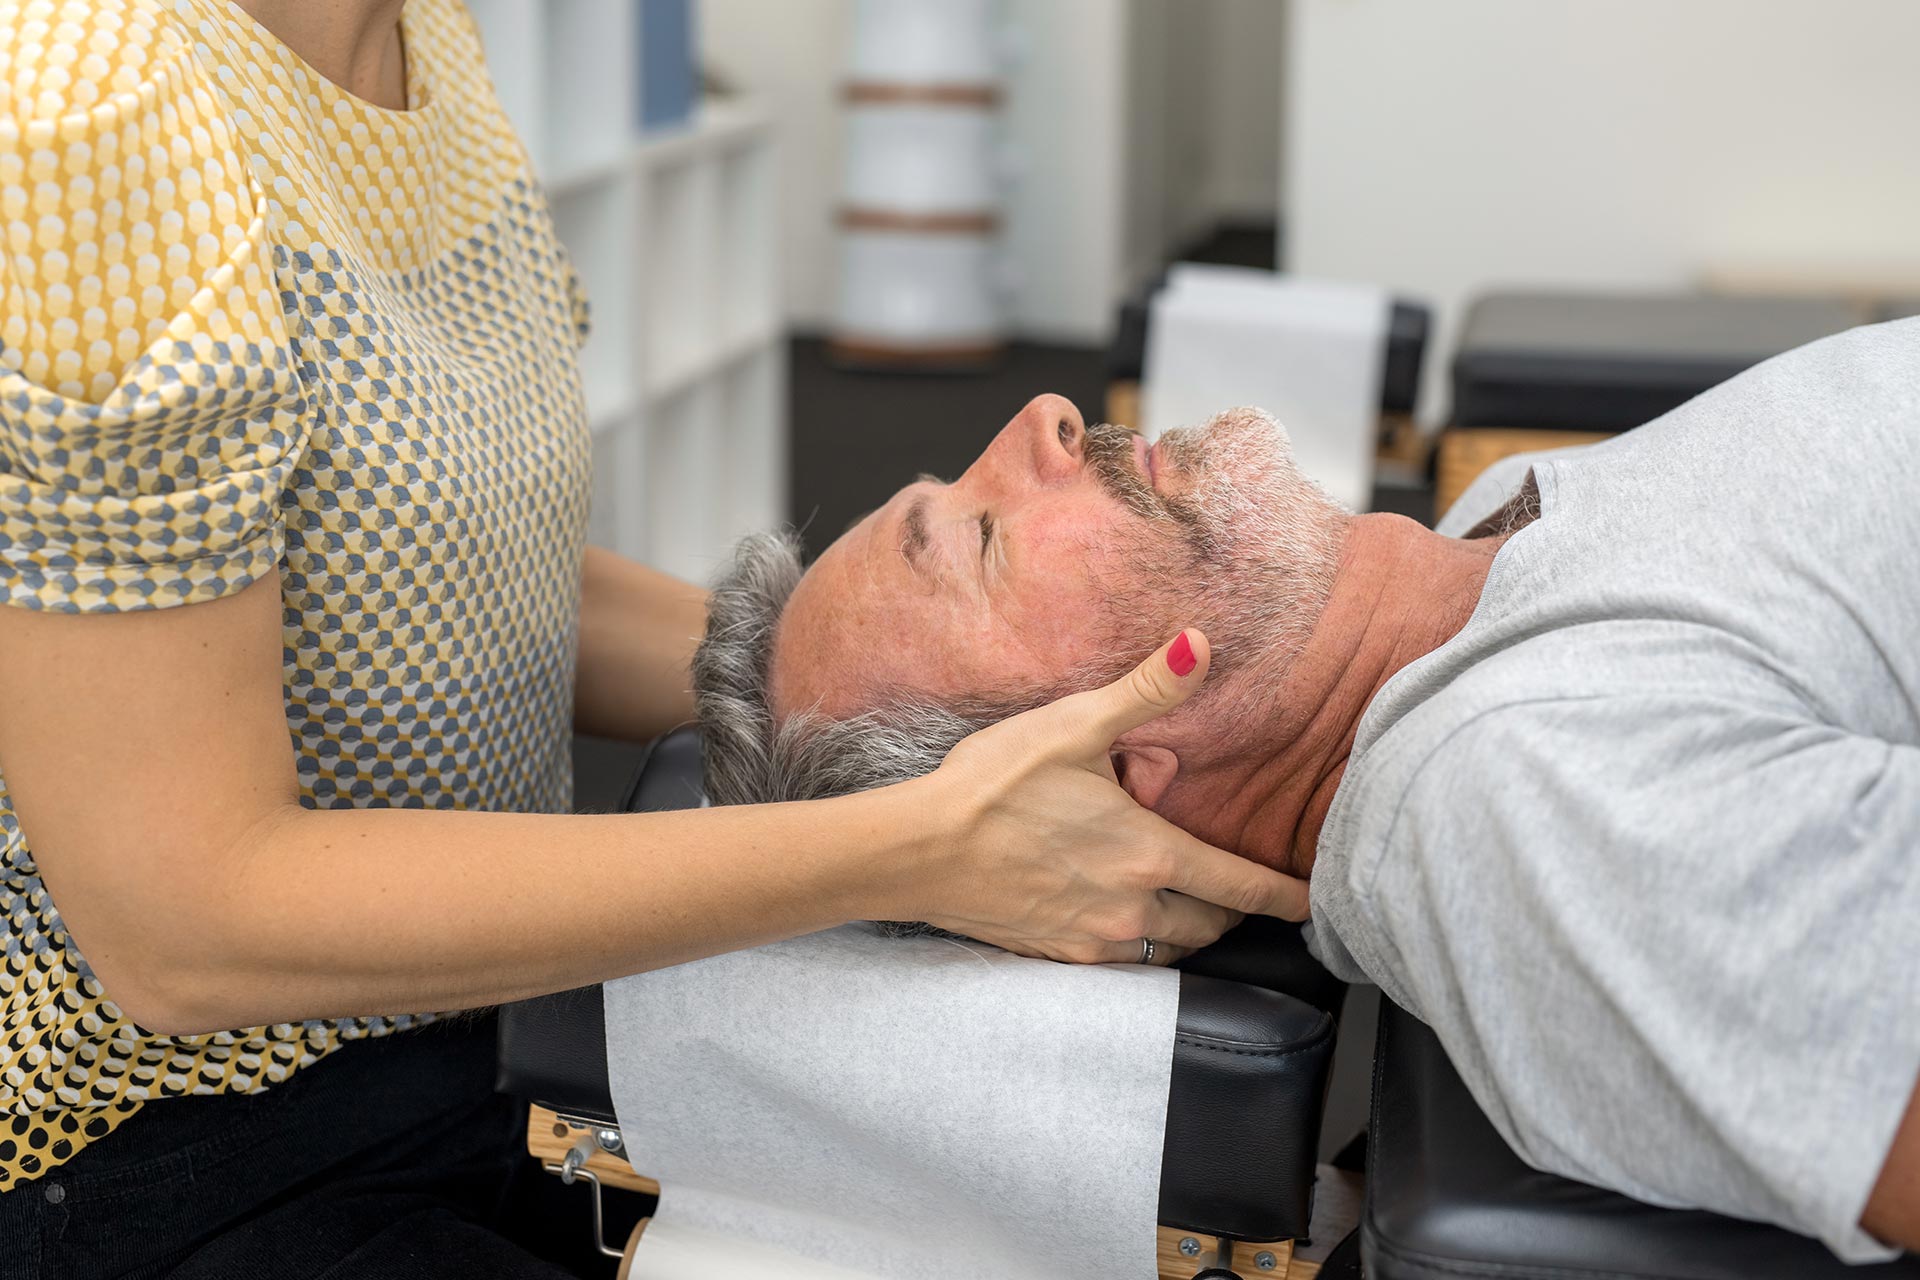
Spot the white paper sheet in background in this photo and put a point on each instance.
(1310, 352)
(903, 1108)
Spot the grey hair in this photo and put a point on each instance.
(751, 759)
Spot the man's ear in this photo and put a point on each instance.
(1145, 772)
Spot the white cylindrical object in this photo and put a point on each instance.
(926, 41)
(918, 287)
(921, 158)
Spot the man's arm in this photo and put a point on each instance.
(1893, 1211)
(638, 630)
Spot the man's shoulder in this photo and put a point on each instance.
(1554, 706)
(1472, 778)
(1484, 694)
(1496, 779)
(1459, 770)
(1473, 734)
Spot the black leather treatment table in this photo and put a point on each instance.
(1254, 1041)
(1539, 369)
(1448, 1200)
(1445, 1198)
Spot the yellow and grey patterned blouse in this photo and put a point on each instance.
(250, 324)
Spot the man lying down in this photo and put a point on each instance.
(1618, 789)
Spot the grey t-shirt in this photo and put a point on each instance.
(1642, 842)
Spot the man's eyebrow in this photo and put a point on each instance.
(913, 535)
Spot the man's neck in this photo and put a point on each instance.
(1401, 592)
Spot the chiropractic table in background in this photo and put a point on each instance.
(1540, 370)
(1408, 324)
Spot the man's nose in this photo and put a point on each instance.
(1042, 445)
(1052, 436)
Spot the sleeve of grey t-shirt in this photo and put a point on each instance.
(1606, 987)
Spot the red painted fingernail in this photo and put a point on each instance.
(1180, 659)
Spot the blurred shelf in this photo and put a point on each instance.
(717, 124)
(714, 360)
(582, 178)
(674, 237)
(614, 413)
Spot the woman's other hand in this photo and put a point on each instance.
(1052, 858)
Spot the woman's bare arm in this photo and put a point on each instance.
(149, 762)
(152, 771)
(638, 629)
(1893, 1210)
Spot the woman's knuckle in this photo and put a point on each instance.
(1128, 924)
(1146, 687)
(1154, 867)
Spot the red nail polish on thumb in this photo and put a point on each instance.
(1180, 659)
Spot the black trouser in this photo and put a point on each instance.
(388, 1158)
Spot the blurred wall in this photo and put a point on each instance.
(1138, 122)
(1237, 73)
(1202, 141)
(1447, 148)
(1066, 104)
(790, 54)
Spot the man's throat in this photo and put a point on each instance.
(1403, 592)
(1282, 830)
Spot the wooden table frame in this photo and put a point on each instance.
(551, 1136)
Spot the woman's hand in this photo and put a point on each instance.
(1053, 859)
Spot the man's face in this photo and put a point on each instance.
(1060, 558)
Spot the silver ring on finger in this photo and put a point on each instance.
(1147, 946)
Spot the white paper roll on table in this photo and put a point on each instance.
(913, 1109)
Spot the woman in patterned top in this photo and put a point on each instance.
(293, 477)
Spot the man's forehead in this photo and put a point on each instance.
(860, 620)
(830, 628)
(797, 668)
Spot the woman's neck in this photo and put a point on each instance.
(354, 43)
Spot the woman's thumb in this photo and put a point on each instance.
(1167, 678)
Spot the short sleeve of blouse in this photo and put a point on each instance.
(150, 413)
